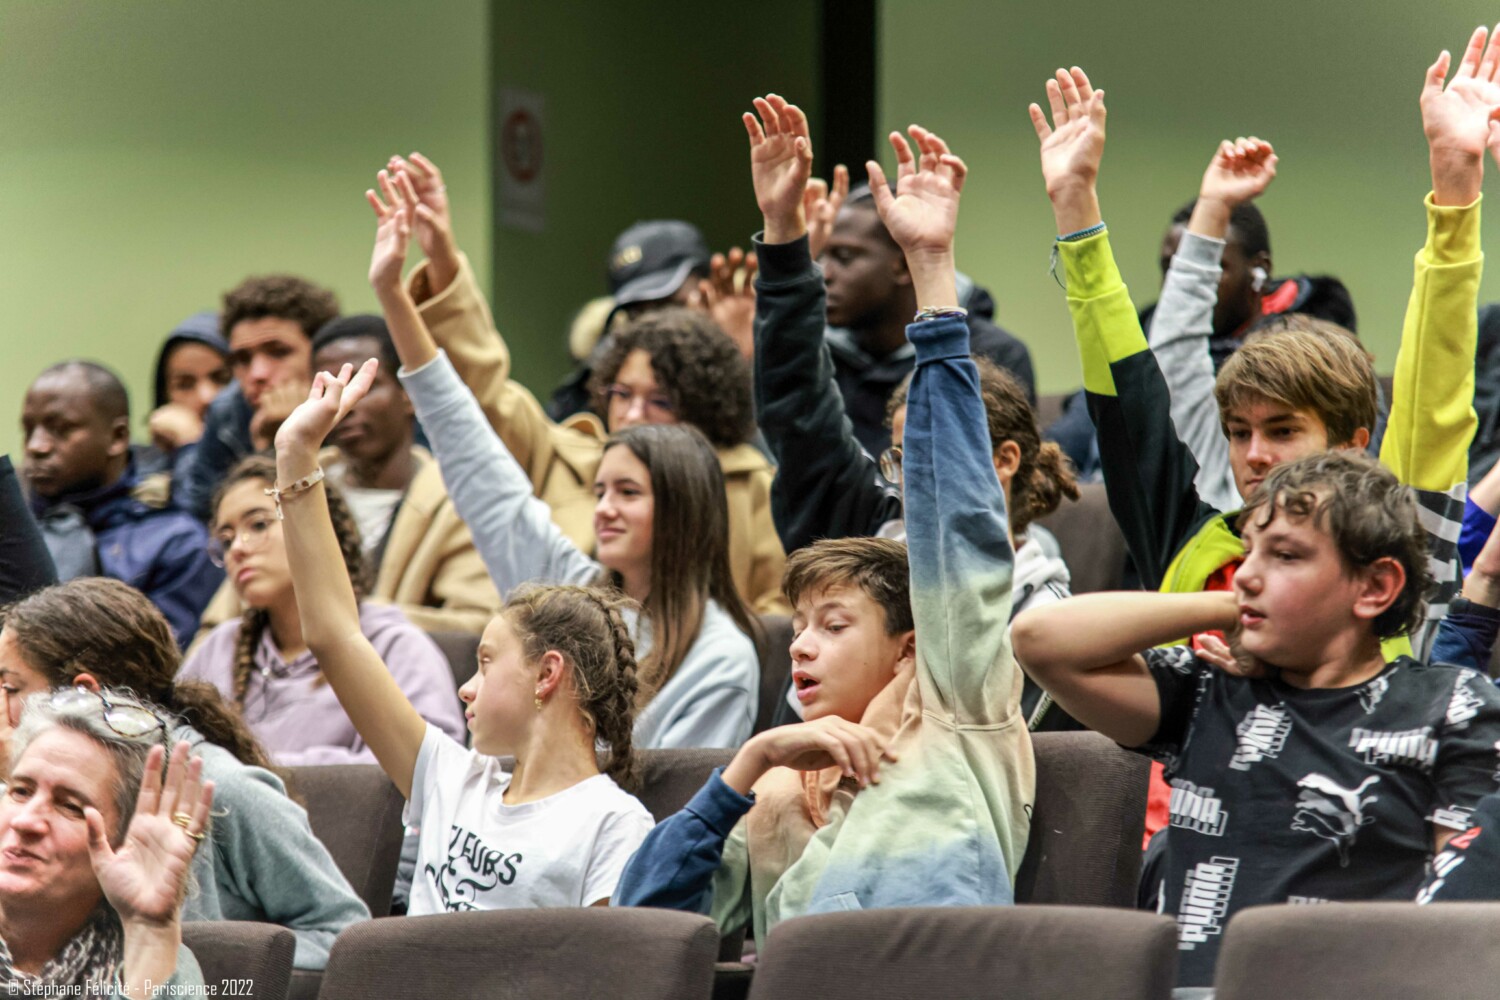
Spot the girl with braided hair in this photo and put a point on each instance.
(556, 677)
(261, 663)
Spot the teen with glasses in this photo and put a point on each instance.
(260, 662)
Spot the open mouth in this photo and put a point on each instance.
(1250, 618)
(806, 686)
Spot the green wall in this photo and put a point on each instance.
(1336, 93)
(154, 153)
(641, 120)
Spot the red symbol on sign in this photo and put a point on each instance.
(521, 145)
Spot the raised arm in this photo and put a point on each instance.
(448, 299)
(1432, 415)
(826, 486)
(1184, 319)
(1148, 472)
(957, 531)
(512, 530)
(325, 597)
(1085, 652)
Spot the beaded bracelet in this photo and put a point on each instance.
(300, 486)
(938, 312)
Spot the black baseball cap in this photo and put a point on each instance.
(652, 259)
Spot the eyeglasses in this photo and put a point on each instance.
(253, 534)
(890, 464)
(129, 720)
(657, 401)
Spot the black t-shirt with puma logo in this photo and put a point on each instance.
(1286, 795)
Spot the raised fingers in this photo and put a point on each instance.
(150, 795)
(1081, 81)
(1069, 88)
(906, 164)
(1469, 64)
(171, 786)
(424, 168)
(769, 120)
(1055, 100)
(1039, 122)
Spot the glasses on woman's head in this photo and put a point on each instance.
(652, 402)
(127, 719)
(890, 464)
(253, 534)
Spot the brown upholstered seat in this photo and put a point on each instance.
(1092, 544)
(356, 812)
(1085, 845)
(775, 667)
(557, 954)
(255, 957)
(1015, 952)
(1361, 951)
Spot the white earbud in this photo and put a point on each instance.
(1258, 278)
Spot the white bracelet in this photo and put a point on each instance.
(302, 485)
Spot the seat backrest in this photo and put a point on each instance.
(1092, 544)
(775, 667)
(461, 650)
(629, 954)
(670, 777)
(241, 957)
(356, 812)
(1085, 845)
(1050, 407)
(1068, 952)
(1361, 951)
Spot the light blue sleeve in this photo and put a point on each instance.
(512, 529)
(1180, 329)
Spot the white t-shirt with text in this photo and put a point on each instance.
(477, 853)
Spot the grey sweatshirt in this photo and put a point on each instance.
(1180, 328)
(711, 699)
(265, 863)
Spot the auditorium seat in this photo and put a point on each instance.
(1015, 952)
(775, 667)
(1361, 951)
(255, 959)
(554, 954)
(356, 812)
(1085, 845)
(1092, 544)
(462, 651)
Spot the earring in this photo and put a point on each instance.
(538, 704)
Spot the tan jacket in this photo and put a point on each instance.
(561, 459)
(429, 569)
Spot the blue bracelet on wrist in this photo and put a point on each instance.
(1082, 234)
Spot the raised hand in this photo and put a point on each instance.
(329, 399)
(1239, 172)
(728, 296)
(780, 164)
(1072, 147)
(923, 213)
(820, 206)
(393, 229)
(145, 878)
(1460, 119)
(433, 227)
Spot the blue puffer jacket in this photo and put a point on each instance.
(226, 440)
(160, 551)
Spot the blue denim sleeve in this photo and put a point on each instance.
(1466, 637)
(1475, 532)
(674, 867)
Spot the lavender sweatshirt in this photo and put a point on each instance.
(298, 718)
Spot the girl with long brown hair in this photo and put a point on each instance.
(660, 518)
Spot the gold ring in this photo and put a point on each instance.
(183, 820)
(198, 837)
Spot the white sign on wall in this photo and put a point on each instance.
(520, 160)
